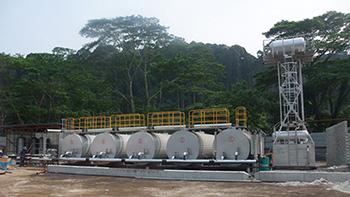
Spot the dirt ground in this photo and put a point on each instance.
(25, 182)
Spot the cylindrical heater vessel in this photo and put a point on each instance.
(233, 144)
(107, 145)
(288, 46)
(190, 145)
(144, 145)
(74, 145)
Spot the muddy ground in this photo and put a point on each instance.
(25, 182)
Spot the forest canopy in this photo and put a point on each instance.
(134, 65)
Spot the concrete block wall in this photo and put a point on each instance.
(338, 144)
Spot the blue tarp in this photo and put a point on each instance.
(3, 165)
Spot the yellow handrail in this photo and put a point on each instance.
(209, 116)
(128, 120)
(87, 122)
(167, 118)
(241, 117)
(68, 123)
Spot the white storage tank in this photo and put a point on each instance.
(74, 145)
(233, 143)
(144, 145)
(190, 145)
(288, 46)
(108, 145)
(20, 144)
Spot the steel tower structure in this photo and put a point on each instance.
(293, 146)
(291, 95)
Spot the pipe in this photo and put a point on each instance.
(252, 161)
(247, 161)
(106, 159)
(210, 161)
(72, 159)
(189, 160)
(144, 160)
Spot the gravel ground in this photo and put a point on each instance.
(25, 182)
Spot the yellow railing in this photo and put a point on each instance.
(68, 123)
(100, 122)
(209, 116)
(241, 117)
(168, 118)
(128, 120)
(94, 122)
(87, 122)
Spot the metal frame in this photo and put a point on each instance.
(291, 96)
(292, 152)
(211, 116)
(167, 118)
(128, 120)
(118, 160)
(241, 117)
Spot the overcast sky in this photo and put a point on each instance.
(40, 25)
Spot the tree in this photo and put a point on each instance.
(239, 65)
(134, 37)
(62, 52)
(262, 108)
(328, 88)
(188, 73)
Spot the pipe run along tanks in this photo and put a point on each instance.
(185, 144)
(76, 146)
(108, 145)
(145, 145)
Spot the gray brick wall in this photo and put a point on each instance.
(338, 144)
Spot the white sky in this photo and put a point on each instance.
(40, 25)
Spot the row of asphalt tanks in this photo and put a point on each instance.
(229, 146)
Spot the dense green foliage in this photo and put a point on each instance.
(135, 65)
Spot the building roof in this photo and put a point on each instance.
(31, 128)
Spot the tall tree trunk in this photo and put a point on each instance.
(316, 108)
(131, 94)
(343, 92)
(145, 77)
(160, 96)
(18, 115)
(194, 97)
(178, 100)
(2, 118)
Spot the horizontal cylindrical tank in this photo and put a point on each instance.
(233, 144)
(288, 46)
(125, 139)
(74, 145)
(144, 145)
(190, 145)
(107, 145)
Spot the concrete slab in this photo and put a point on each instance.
(194, 175)
(302, 176)
(202, 175)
